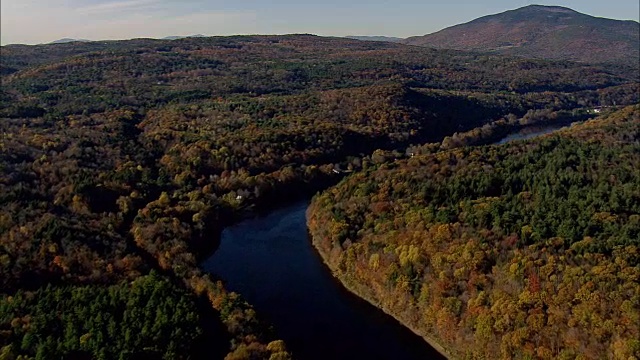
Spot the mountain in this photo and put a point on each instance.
(68, 40)
(375, 38)
(549, 32)
(182, 37)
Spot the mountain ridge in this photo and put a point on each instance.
(68, 40)
(375, 38)
(178, 37)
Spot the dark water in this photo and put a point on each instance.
(271, 262)
(530, 133)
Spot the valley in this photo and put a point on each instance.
(133, 172)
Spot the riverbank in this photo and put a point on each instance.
(363, 289)
(364, 293)
(413, 238)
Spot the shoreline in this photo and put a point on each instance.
(351, 288)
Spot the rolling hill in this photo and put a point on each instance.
(528, 250)
(549, 32)
(123, 160)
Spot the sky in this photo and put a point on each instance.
(43, 21)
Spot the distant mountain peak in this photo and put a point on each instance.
(540, 31)
(374, 38)
(177, 37)
(68, 40)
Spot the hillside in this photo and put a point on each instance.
(123, 160)
(548, 32)
(527, 250)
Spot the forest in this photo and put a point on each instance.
(122, 161)
(528, 250)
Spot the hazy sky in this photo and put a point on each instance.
(42, 21)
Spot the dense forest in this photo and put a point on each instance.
(525, 250)
(122, 161)
(124, 320)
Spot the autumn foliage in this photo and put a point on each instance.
(119, 159)
(525, 250)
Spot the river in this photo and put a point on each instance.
(271, 262)
(530, 133)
